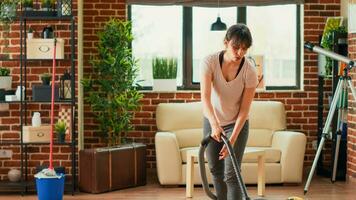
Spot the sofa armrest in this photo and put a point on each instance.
(292, 146)
(169, 161)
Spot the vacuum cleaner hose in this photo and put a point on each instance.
(201, 161)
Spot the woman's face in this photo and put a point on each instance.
(235, 52)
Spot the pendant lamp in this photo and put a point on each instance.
(218, 25)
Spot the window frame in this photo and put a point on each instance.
(187, 53)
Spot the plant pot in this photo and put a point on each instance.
(61, 137)
(112, 168)
(164, 85)
(50, 188)
(5, 82)
(29, 35)
(28, 8)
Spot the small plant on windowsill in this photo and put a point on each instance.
(164, 74)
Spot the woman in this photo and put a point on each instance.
(228, 86)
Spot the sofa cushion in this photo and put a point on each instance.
(267, 115)
(271, 155)
(259, 138)
(176, 116)
(189, 137)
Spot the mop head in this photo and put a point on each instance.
(47, 173)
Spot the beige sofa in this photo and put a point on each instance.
(180, 129)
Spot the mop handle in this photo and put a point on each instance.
(52, 105)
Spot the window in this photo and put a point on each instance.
(154, 36)
(205, 41)
(274, 38)
(184, 32)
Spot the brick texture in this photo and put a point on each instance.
(301, 106)
(351, 146)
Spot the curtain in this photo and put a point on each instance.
(214, 3)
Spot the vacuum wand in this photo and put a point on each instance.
(330, 54)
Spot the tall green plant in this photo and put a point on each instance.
(111, 88)
(164, 68)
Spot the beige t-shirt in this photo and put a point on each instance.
(226, 96)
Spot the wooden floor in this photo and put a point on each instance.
(321, 188)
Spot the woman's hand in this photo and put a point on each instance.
(223, 152)
(216, 132)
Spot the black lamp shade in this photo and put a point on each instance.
(218, 25)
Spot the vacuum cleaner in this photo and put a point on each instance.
(237, 170)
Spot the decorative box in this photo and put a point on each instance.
(36, 134)
(43, 48)
(44, 92)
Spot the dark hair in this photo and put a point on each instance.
(240, 35)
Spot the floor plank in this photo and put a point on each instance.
(321, 188)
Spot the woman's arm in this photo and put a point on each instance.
(247, 98)
(205, 89)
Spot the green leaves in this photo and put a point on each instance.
(327, 41)
(110, 88)
(164, 68)
(60, 127)
(4, 71)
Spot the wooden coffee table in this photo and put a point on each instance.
(191, 154)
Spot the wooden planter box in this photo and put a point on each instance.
(107, 169)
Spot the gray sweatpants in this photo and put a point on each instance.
(224, 177)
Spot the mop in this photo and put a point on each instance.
(49, 172)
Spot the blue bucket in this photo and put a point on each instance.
(50, 188)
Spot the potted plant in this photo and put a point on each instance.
(5, 78)
(327, 43)
(60, 129)
(46, 78)
(27, 5)
(164, 74)
(113, 96)
(47, 5)
(30, 33)
(7, 16)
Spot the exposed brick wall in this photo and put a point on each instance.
(351, 153)
(301, 106)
